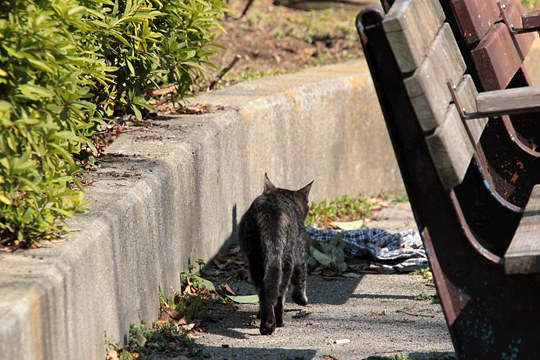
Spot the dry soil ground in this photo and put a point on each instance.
(272, 39)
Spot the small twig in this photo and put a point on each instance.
(248, 5)
(414, 314)
(224, 71)
(167, 89)
(301, 314)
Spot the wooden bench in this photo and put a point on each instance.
(464, 124)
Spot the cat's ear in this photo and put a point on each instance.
(305, 190)
(267, 184)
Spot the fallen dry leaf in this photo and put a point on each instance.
(301, 314)
(171, 313)
(187, 327)
(182, 321)
(228, 290)
(175, 108)
(382, 313)
(112, 355)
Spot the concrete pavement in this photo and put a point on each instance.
(378, 314)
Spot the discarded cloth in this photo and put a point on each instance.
(402, 252)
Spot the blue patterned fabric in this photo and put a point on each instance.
(402, 251)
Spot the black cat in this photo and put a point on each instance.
(272, 237)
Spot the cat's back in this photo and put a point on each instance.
(276, 204)
(275, 215)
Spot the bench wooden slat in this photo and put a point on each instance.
(411, 26)
(475, 18)
(504, 101)
(466, 94)
(523, 254)
(496, 58)
(451, 149)
(531, 19)
(427, 86)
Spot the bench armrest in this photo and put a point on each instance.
(508, 101)
(531, 20)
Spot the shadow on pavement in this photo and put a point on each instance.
(432, 356)
(384, 296)
(335, 291)
(247, 353)
(232, 322)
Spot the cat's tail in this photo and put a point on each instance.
(272, 275)
(273, 270)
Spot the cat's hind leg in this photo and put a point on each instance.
(283, 288)
(268, 320)
(298, 282)
(278, 310)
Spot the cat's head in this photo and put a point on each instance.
(300, 196)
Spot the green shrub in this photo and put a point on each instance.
(65, 65)
(150, 43)
(529, 4)
(44, 113)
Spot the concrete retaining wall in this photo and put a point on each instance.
(171, 194)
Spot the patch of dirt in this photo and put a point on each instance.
(271, 40)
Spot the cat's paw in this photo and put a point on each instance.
(267, 329)
(299, 297)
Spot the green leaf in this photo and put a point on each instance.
(76, 10)
(63, 153)
(35, 92)
(68, 135)
(28, 185)
(244, 299)
(41, 65)
(5, 200)
(22, 164)
(348, 225)
(5, 106)
(205, 284)
(321, 257)
(130, 67)
(136, 111)
(140, 338)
